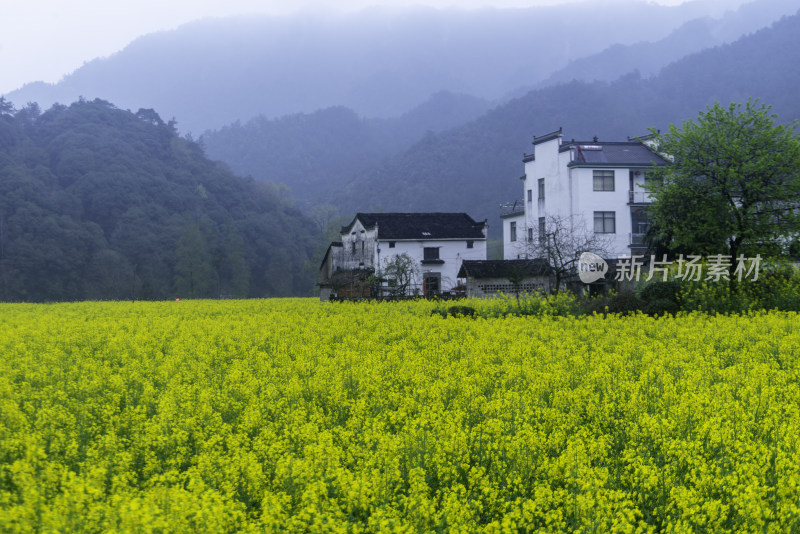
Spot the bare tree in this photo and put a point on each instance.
(400, 271)
(561, 240)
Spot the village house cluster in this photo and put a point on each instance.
(592, 189)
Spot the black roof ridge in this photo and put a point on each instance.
(409, 225)
(548, 136)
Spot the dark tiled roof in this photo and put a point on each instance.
(333, 245)
(421, 225)
(512, 209)
(502, 268)
(626, 154)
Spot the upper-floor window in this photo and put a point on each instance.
(530, 235)
(605, 222)
(541, 228)
(603, 180)
(541, 188)
(470, 243)
(530, 195)
(391, 244)
(431, 253)
(512, 230)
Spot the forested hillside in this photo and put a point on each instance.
(314, 154)
(100, 203)
(475, 167)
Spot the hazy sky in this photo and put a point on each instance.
(42, 40)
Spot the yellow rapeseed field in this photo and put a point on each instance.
(300, 416)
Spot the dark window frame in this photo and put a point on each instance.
(605, 222)
(603, 180)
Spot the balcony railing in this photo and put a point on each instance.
(639, 197)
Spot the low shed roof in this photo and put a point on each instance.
(503, 268)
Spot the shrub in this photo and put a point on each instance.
(669, 290)
(625, 302)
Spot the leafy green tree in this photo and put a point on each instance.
(733, 186)
(195, 276)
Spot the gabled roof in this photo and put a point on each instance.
(422, 226)
(619, 153)
(335, 244)
(503, 268)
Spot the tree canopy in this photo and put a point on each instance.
(101, 203)
(733, 185)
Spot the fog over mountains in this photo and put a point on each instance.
(475, 167)
(378, 62)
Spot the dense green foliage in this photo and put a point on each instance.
(733, 185)
(290, 415)
(101, 203)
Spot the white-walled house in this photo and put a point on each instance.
(436, 242)
(512, 216)
(602, 183)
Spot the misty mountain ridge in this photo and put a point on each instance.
(475, 167)
(378, 62)
(314, 152)
(649, 57)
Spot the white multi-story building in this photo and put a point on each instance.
(599, 184)
(436, 243)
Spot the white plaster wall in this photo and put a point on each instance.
(513, 250)
(453, 252)
(587, 201)
(569, 192)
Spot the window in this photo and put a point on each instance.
(391, 244)
(512, 229)
(430, 253)
(605, 222)
(354, 247)
(541, 188)
(362, 247)
(530, 235)
(530, 195)
(541, 229)
(470, 244)
(603, 180)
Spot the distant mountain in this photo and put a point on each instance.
(649, 57)
(100, 203)
(380, 62)
(474, 167)
(315, 153)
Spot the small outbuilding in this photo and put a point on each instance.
(488, 278)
